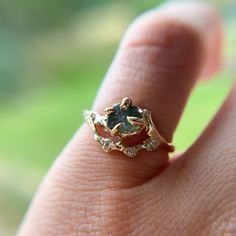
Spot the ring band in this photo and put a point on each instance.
(124, 120)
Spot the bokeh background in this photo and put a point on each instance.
(53, 56)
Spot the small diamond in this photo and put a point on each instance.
(106, 144)
(152, 144)
(98, 139)
(131, 151)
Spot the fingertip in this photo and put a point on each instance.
(191, 19)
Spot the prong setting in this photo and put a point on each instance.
(116, 130)
(126, 102)
(135, 120)
(108, 110)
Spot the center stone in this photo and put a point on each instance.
(120, 116)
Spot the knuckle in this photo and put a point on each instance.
(167, 41)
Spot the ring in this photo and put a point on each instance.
(121, 122)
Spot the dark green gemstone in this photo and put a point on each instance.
(120, 116)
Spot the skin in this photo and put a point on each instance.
(89, 192)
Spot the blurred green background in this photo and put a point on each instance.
(53, 56)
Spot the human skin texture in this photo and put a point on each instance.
(90, 192)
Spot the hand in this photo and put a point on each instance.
(89, 192)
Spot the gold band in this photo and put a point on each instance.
(124, 120)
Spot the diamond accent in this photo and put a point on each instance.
(152, 144)
(130, 151)
(107, 144)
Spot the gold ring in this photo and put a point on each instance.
(124, 120)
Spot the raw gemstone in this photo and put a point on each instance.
(120, 116)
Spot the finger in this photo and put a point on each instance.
(214, 31)
(214, 152)
(201, 184)
(157, 64)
